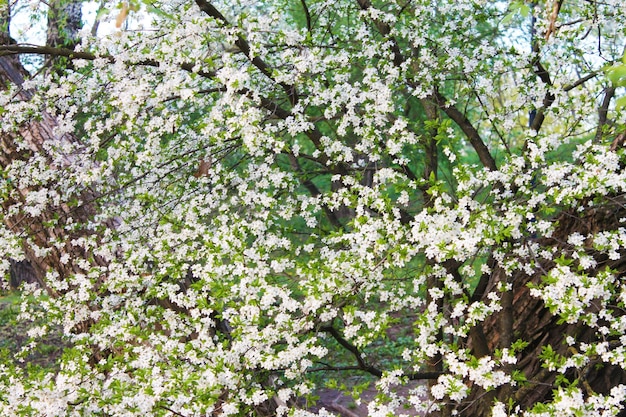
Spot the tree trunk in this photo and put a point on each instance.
(40, 231)
(64, 23)
(533, 323)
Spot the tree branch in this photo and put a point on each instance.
(506, 327)
(16, 49)
(603, 111)
(352, 349)
(244, 46)
(314, 191)
(480, 346)
(549, 98)
(414, 376)
(430, 146)
(384, 30)
(556, 8)
(176, 413)
(543, 74)
(7, 50)
(470, 131)
(327, 367)
(307, 15)
(314, 135)
(580, 81)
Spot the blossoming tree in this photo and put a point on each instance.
(245, 200)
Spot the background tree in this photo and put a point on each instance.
(30, 141)
(246, 196)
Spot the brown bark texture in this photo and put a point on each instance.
(39, 232)
(530, 320)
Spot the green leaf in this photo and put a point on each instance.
(157, 11)
(617, 74)
(620, 103)
(524, 10)
(508, 18)
(516, 7)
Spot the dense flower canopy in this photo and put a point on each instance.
(237, 202)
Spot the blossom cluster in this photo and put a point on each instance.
(245, 196)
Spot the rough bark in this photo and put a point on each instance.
(64, 23)
(533, 322)
(63, 30)
(38, 231)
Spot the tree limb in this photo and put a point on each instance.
(543, 74)
(314, 191)
(7, 50)
(470, 131)
(384, 30)
(603, 111)
(244, 46)
(580, 81)
(556, 8)
(307, 15)
(362, 365)
(549, 98)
